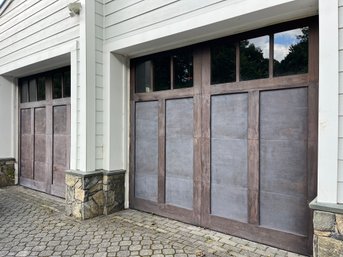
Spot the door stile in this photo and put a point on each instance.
(161, 152)
(132, 137)
(33, 141)
(49, 135)
(253, 158)
(197, 145)
(206, 137)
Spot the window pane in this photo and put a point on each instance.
(66, 84)
(161, 73)
(57, 85)
(183, 70)
(223, 64)
(143, 77)
(291, 52)
(41, 89)
(24, 91)
(33, 90)
(254, 58)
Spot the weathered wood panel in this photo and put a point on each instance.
(283, 152)
(146, 150)
(229, 132)
(179, 152)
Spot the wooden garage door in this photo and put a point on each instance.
(44, 114)
(224, 134)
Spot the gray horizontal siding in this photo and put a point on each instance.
(31, 27)
(123, 18)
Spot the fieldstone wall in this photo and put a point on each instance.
(93, 194)
(328, 234)
(114, 191)
(7, 174)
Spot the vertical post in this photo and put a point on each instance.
(253, 158)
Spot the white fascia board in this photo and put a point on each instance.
(328, 102)
(237, 17)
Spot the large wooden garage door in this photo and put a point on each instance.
(44, 114)
(224, 134)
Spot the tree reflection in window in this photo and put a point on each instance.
(183, 70)
(223, 63)
(254, 58)
(291, 52)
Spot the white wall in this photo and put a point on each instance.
(7, 118)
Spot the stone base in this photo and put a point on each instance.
(92, 194)
(7, 172)
(328, 230)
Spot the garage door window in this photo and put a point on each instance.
(171, 70)
(278, 54)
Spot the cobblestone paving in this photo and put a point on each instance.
(34, 224)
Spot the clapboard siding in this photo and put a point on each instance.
(99, 32)
(117, 5)
(152, 14)
(14, 8)
(340, 140)
(31, 27)
(136, 10)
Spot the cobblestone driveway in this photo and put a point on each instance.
(34, 224)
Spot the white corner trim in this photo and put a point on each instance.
(328, 102)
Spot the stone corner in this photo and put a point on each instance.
(92, 194)
(7, 172)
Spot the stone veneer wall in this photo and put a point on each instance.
(7, 172)
(328, 230)
(93, 194)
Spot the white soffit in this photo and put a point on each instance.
(237, 17)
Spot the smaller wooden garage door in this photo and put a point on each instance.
(44, 114)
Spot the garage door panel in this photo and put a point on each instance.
(229, 162)
(26, 168)
(25, 121)
(284, 212)
(283, 167)
(146, 150)
(229, 116)
(40, 120)
(179, 191)
(40, 148)
(230, 202)
(60, 119)
(179, 152)
(60, 154)
(26, 145)
(146, 186)
(283, 160)
(40, 171)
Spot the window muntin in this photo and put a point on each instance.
(167, 71)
